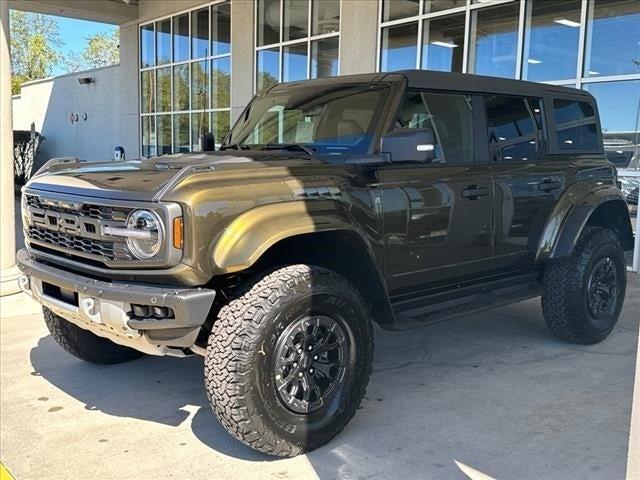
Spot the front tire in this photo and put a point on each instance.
(583, 293)
(85, 345)
(288, 360)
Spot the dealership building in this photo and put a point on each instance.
(191, 66)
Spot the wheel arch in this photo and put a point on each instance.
(317, 233)
(342, 251)
(602, 206)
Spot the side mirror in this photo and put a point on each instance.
(409, 145)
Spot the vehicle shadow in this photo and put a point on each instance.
(163, 390)
(493, 390)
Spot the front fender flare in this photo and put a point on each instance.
(570, 215)
(250, 235)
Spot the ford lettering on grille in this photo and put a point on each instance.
(75, 228)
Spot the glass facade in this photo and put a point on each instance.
(494, 41)
(296, 40)
(588, 44)
(443, 43)
(551, 40)
(185, 79)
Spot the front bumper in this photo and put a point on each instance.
(104, 308)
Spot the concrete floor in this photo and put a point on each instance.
(495, 392)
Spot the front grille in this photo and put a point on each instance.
(99, 212)
(74, 228)
(100, 248)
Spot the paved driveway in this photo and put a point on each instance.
(493, 391)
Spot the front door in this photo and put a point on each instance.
(437, 216)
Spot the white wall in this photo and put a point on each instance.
(111, 119)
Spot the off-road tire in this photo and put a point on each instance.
(84, 344)
(565, 283)
(240, 356)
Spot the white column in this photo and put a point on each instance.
(242, 51)
(358, 36)
(8, 271)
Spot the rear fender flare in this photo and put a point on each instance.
(570, 215)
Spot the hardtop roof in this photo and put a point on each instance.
(449, 81)
(481, 84)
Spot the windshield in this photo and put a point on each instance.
(331, 120)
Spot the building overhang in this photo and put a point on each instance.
(117, 12)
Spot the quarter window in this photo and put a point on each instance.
(515, 128)
(575, 125)
(449, 116)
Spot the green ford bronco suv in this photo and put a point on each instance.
(398, 198)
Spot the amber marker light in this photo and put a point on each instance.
(178, 227)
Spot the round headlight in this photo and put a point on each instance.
(146, 235)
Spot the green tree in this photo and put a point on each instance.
(101, 50)
(35, 41)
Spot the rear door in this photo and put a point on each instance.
(527, 183)
(437, 215)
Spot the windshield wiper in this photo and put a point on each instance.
(234, 146)
(290, 147)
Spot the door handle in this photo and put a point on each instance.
(547, 185)
(472, 192)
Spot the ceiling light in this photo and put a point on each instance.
(534, 61)
(593, 72)
(444, 44)
(567, 22)
(568, 141)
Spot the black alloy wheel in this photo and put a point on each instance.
(310, 363)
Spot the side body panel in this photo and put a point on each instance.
(525, 194)
(231, 222)
(432, 233)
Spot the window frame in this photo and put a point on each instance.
(480, 138)
(552, 137)
(208, 111)
(280, 44)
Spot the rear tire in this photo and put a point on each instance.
(289, 359)
(84, 344)
(583, 293)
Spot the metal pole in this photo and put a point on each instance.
(635, 264)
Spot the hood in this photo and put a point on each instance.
(148, 179)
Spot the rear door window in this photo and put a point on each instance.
(576, 126)
(449, 116)
(514, 128)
